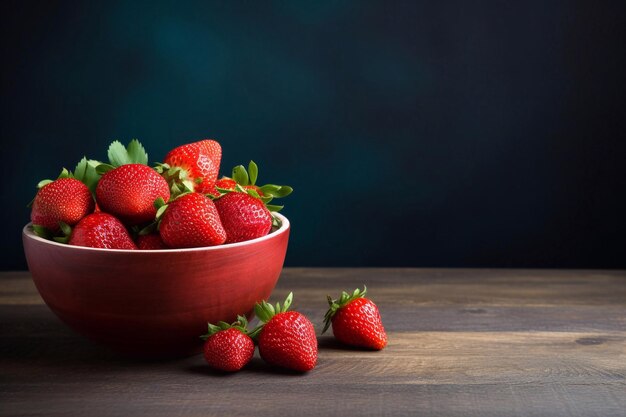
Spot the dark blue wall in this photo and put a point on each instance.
(414, 133)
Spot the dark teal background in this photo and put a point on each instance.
(414, 133)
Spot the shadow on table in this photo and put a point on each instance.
(256, 366)
(31, 334)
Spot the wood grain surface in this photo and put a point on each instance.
(461, 343)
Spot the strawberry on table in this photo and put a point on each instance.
(228, 347)
(101, 230)
(287, 338)
(191, 220)
(192, 167)
(356, 321)
(65, 200)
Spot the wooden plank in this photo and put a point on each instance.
(462, 342)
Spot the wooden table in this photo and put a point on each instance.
(461, 343)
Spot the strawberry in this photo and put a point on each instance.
(191, 220)
(150, 241)
(192, 167)
(356, 321)
(129, 192)
(101, 230)
(65, 200)
(243, 206)
(287, 338)
(228, 346)
(243, 217)
(226, 183)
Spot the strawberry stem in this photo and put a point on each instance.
(241, 324)
(265, 311)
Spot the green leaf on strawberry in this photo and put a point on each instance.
(178, 179)
(274, 208)
(240, 175)
(137, 153)
(42, 183)
(253, 172)
(134, 153)
(241, 324)
(86, 171)
(41, 231)
(66, 231)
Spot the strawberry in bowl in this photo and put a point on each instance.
(128, 256)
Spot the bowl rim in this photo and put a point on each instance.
(28, 232)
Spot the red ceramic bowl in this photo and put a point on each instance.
(157, 302)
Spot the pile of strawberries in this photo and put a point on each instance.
(180, 203)
(287, 338)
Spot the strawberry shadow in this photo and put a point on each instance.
(208, 371)
(330, 343)
(255, 366)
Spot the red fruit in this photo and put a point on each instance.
(228, 347)
(152, 241)
(287, 339)
(191, 221)
(226, 183)
(129, 192)
(101, 230)
(243, 217)
(356, 321)
(198, 163)
(64, 200)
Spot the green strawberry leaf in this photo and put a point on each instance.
(159, 202)
(283, 191)
(102, 169)
(148, 229)
(270, 189)
(188, 185)
(134, 153)
(117, 153)
(240, 175)
(253, 193)
(43, 183)
(66, 229)
(276, 223)
(41, 231)
(161, 167)
(160, 211)
(274, 208)
(253, 172)
(86, 171)
(278, 191)
(223, 190)
(65, 174)
(137, 153)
